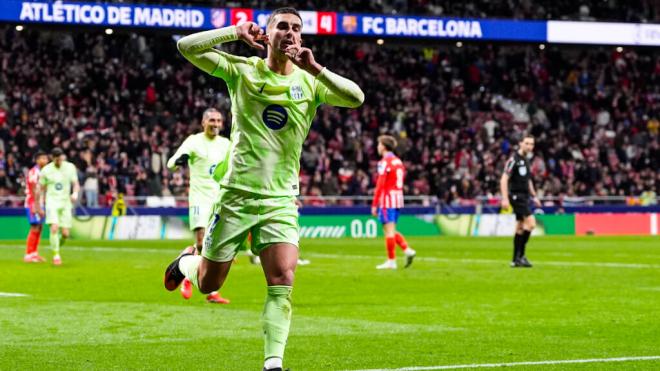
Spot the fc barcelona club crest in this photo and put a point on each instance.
(349, 23)
(296, 92)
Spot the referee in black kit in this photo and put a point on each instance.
(516, 187)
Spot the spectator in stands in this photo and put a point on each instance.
(91, 187)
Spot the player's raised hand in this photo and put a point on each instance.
(252, 34)
(303, 58)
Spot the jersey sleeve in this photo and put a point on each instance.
(337, 91)
(229, 66)
(43, 177)
(222, 166)
(508, 167)
(380, 184)
(186, 148)
(73, 173)
(198, 48)
(33, 177)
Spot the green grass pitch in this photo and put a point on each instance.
(460, 303)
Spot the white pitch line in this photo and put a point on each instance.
(12, 295)
(510, 364)
(500, 262)
(107, 249)
(368, 257)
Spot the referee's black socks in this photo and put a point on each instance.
(518, 246)
(525, 238)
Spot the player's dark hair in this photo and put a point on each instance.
(285, 10)
(39, 154)
(524, 136)
(208, 111)
(57, 151)
(388, 141)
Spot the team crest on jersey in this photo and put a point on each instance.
(59, 186)
(296, 92)
(275, 116)
(381, 167)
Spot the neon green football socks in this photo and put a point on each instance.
(276, 320)
(55, 243)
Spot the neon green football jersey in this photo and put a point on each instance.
(58, 182)
(205, 155)
(271, 117)
(271, 113)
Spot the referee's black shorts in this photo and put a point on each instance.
(520, 204)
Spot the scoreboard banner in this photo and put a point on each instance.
(330, 23)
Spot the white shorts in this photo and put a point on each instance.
(199, 215)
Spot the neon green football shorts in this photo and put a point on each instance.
(60, 214)
(237, 213)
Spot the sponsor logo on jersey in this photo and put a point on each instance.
(522, 170)
(59, 186)
(275, 116)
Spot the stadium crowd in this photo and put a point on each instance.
(119, 105)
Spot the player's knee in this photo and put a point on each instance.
(53, 229)
(282, 278)
(520, 228)
(531, 224)
(65, 233)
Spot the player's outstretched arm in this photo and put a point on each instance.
(198, 47)
(339, 91)
(342, 92)
(181, 156)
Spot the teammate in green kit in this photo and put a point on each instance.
(57, 180)
(202, 152)
(273, 103)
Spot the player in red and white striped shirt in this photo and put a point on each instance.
(388, 199)
(35, 219)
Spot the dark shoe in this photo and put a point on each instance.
(525, 263)
(173, 275)
(410, 256)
